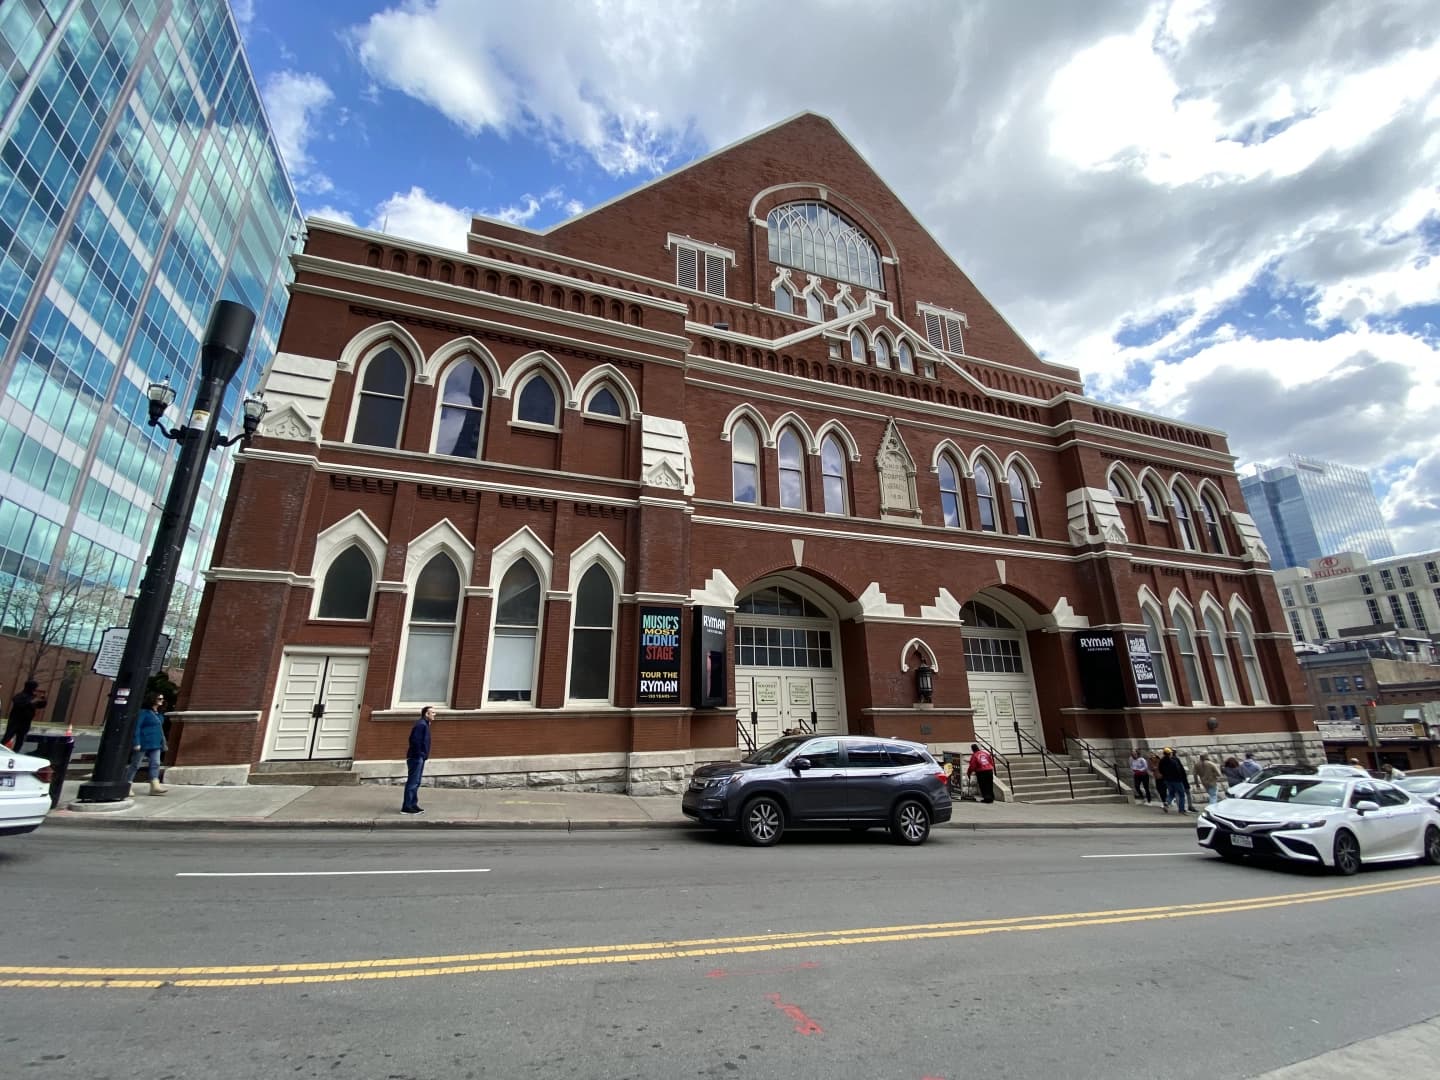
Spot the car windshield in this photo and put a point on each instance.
(1289, 789)
(775, 751)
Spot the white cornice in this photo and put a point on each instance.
(1144, 444)
(1081, 399)
(273, 577)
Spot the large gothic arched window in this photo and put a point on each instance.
(815, 237)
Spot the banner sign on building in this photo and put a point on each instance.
(1142, 667)
(1100, 672)
(1328, 566)
(659, 657)
(710, 679)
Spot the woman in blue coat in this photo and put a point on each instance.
(149, 743)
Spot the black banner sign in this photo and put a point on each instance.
(710, 679)
(1142, 667)
(659, 657)
(1100, 677)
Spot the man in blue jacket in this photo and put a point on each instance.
(415, 756)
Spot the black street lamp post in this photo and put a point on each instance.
(227, 336)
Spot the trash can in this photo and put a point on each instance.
(56, 749)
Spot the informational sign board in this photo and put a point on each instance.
(1100, 671)
(1142, 669)
(112, 651)
(710, 679)
(658, 680)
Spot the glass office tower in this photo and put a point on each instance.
(1312, 508)
(139, 183)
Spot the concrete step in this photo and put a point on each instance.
(1081, 787)
(1089, 800)
(305, 773)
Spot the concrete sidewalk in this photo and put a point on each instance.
(376, 806)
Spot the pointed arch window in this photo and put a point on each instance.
(381, 408)
(784, 300)
(592, 640)
(1155, 641)
(1189, 659)
(950, 493)
(517, 630)
(1213, 535)
(745, 464)
(1118, 488)
(462, 411)
(832, 469)
(1153, 504)
(1019, 501)
(349, 584)
(843, 306)
(985, 497)
(1249, 659)
(857, 347)
(1215, 635)
(1184, 526)
(603, 402)
(817, 238)
(882, 351)
(537, 401)
(905, 357)
(430, 635)
(815, 306)
(791, 453)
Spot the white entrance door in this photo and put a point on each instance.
(999, 705)
(317, 709)
(784, 699)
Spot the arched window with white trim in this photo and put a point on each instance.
(603, 401)
(985, 497)
(791, 454)
(517, 634)
(1019, 501)
(1184, 526)
(784, 299)
(380, 410)
(1214, 537)
(857, 346)
(814, 236)
(1118, 487)
(745, 464)
(1155, 641)
(832, 472)
(1220, 655)
(1154, 505)
(882, 351)
(1249, 658)
(905, 357)
(348, 587)
(592, 654)
(430, 632)
(843, 306)
(537, 403)
(950, 493)
(461, 430)
(1189, 657)
(814, 305)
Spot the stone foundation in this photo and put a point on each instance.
(1271, 748)
(657, 773)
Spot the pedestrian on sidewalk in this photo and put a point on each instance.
(1174, 780)
(149, 744)
(23, 707)
(1140, 774)
(982, 767)
(1208, 773)
(1250, 767)
(416, 754)
(1232, 772)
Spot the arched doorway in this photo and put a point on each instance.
(787, 662)
(1001, 679)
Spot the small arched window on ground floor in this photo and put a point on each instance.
(592, 656)
(430, 633)
(348, 587)
(513, 653)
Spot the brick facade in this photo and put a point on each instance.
(595, 302)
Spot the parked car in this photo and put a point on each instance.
(822, 781)
(1239, 791)
(24, 792)
(1425, 787)
(1332, 821)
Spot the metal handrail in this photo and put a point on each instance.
(1021, 739)
(1090, 752)
(747, 738)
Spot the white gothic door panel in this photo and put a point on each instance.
(760, 694)
(344, 686)
(309, 680)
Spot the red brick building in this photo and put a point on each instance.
(756, 396)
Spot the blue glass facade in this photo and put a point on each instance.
(139, 183)
(1312, 508)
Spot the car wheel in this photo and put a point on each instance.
(762, 821)
(910, 822)
(1432, 846)
(1346, 853)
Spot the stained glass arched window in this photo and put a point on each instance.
(815, 237)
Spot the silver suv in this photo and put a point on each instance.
(823, 781)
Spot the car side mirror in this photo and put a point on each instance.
(800, 764)
(1364, 806)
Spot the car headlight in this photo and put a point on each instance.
(1204, 816)
(1318, 823)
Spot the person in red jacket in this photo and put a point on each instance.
(982, 767)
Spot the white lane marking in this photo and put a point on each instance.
(1145, 855)
(322, 873)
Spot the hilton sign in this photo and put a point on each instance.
(1332, 565)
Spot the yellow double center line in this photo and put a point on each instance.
(414, 967)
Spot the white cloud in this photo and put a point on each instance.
(294, 102)
(415, 215)
(333, 214)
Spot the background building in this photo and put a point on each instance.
(1312, 508)
(1347, 595)
(139, 183)
(739, 451)
(1374, 708)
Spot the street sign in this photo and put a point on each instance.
(112, 651)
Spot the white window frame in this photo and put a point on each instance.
(441, 406)
(789, 432)
(1249, 657)
(532, 425)
(756, 464)
(355, 528)
(1215, 636)
(840, 450)
(403, 657)
(708, 264)
(606, 567)
(958, 491)
(407, 362)
(443, 536)
(1189, 658)
(944, 328)
(521, 544)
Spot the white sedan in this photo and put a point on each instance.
(24, 792)
(1336, 822)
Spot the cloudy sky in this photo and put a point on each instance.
(1225, 212)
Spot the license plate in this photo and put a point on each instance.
(1241, 841)
(7, 780)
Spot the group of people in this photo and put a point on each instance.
(1172, 782)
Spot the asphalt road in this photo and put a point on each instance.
(675, 954)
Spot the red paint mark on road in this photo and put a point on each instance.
(803, 1024)
(722, 973)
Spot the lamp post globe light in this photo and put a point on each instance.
(227, 337)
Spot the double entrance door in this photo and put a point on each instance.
(317, 707)
(780, 700)
(1001, 703)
